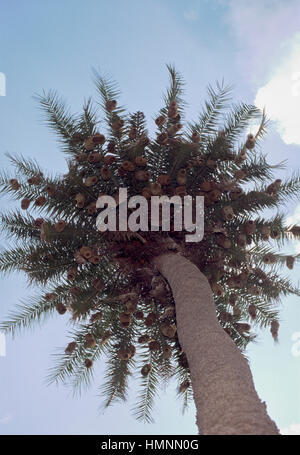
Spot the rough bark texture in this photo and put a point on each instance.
(224, 393)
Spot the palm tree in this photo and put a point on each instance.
(149, 301)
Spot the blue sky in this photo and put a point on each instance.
(56, 44)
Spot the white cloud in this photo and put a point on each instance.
(6, 419)
(297, 246)
(293, 429)
(191, 15)
(268, 53)
(295, 218)
(291, 220)
(281, 95)
(261, 27)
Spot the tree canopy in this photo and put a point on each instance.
(119, 305)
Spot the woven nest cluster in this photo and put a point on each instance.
(107, 280)
(99, 165)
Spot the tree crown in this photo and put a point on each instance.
(119, 304)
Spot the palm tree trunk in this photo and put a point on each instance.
(224, 393)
